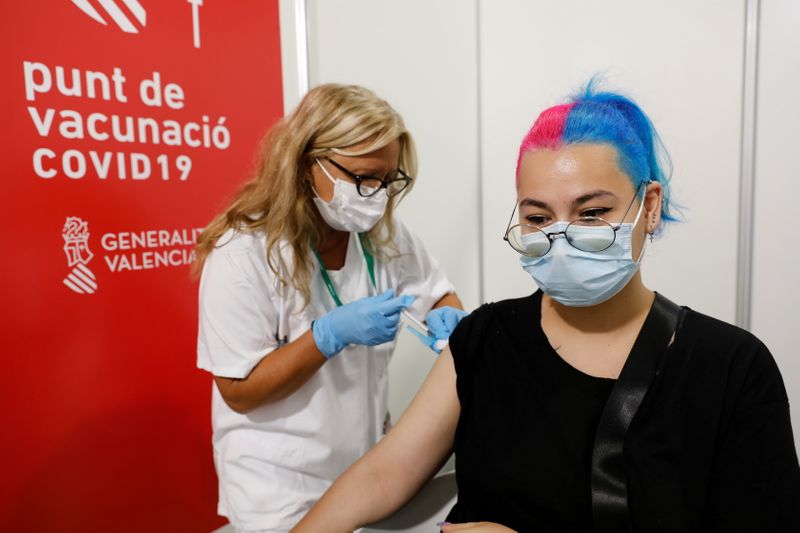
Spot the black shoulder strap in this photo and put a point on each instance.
(609, 484)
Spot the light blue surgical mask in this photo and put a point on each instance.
(577, 278)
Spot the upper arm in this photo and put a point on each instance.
(417, 272)
(450, 299)
(237, 319)
(423, 438)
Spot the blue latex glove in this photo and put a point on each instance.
(443, 320)
(369, 321)
(437, 345)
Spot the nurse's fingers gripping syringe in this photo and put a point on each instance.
(424, 333)
(419, 326)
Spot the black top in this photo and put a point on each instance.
(710, 448)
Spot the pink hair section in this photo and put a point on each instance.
(546, 132)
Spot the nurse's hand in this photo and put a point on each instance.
(369, 321)
(443, 320)
(437, 345)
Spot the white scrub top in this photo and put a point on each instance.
(276, 461)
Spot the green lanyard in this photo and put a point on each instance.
(327, 278)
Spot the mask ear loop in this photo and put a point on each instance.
(641, 254)
(325, 171)
(327, 175)
(636, 221)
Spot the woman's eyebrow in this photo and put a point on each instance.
(582, 199)
(533, 202)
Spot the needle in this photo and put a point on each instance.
(419, 326)
(438, 345)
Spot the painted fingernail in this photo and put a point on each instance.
(440, 524)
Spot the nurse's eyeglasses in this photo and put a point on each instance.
(370, 185)
(588, 234)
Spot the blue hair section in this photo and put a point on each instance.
(613, 119)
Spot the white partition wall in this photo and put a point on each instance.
(776, 254)
(420, 56)
(469, 76)
(682, 62)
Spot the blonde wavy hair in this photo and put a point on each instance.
(278, 199)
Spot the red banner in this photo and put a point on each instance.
(128, 124)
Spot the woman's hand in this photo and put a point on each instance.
(443, 320)
(369, 321)
(476, 527)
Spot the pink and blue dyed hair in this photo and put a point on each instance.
(593, 117)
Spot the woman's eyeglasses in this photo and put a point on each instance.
(589, 234)
(370, 185)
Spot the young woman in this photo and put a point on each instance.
(593, 404)
(304, 277)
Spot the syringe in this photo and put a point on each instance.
(419, 326)
(438, 344)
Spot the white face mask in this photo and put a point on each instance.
(576, 278)
(348, 210)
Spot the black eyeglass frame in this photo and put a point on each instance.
(384, 184)
(553, 235)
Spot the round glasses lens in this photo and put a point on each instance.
(396, 187)
(369, 186)
(590, 234)
(528, 240)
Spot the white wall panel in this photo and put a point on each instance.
(776, 253)
(682, 61)
(294, 54)
(420, 56)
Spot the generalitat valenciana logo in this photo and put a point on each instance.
(76, 246)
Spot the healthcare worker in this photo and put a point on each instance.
(304, 278)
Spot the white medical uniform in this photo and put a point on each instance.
(276, 461)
